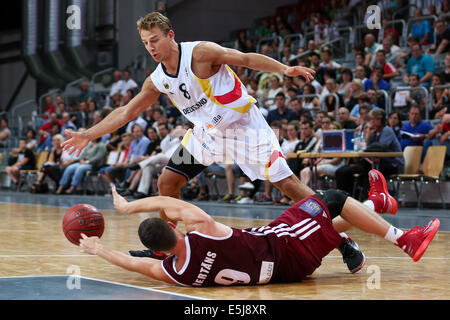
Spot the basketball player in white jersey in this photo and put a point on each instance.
(227, 124)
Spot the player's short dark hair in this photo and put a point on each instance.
(156, 234)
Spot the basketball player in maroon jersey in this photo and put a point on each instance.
(286, 250)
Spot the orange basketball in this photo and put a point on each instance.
(82, 218)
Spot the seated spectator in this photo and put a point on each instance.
(328, 98)
(153, 163)
(362, 99)
(315, 65)
(67, 123)
(363, 117)
(438, 136)
(275, 88)
(46, 129)
(306, 143)
(447, 68)
(49, 108)
(362, 71)
(353, 93)
(370, 47)
(129, 83)
(422, 65)
(52, 167)
(328, 62)
(115, 173)
(407, 54)
(347, 78)
(376, 81)
(416, 127)
(326, 166)
(92, 158)
(422, 29)
(297, 109)
(31, 144)
(381, 134)
(25, 161)
(395, 123)
(442, 43)
(281, 113)
(47, 145)
(392, 51)
(111, 140)
(440, 97)
(389, 32)
(118, 84)
(5, 133)
(417, 95)
(389, 70)
(86, 93)
(344, 119)
(311, 104)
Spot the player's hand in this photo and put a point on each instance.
(120, 203)
(75, 141)
(90, 245)
(296, 71)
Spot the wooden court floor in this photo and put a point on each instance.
(32, 244)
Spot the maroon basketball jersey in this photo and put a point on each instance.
(288, 249)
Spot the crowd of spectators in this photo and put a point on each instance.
(342, 96)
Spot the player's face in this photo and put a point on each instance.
(157, 43)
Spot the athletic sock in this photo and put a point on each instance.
(375, 203)
(393, 234)
(343, 235)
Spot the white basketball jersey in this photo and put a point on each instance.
(212, 103)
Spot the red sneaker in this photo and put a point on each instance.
(415, 241)
(378, 188)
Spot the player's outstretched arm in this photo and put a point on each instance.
(173, 210)
(116, 119)
(146, 266)
(217, 55)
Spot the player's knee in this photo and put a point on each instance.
(334, 200)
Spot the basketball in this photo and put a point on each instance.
(82, 218)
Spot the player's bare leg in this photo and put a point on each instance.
(352, 255)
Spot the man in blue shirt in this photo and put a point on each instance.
(376, 81)
(422, 65)
(281, 112)
(415, 126)
(139, 145)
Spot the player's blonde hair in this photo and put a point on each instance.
(154, 19)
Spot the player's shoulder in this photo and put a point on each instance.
(204, 49)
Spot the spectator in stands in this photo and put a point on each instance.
(395, 123)
(138, 120)
(86, 93)
(52, 167)
(392, 51)
(440, 97)
(32, 145)
(118, 84)
(347, 78)
(376, 81)
(442, 43)
(48, 144)
(129, 83)
(46, 128)
(389, 70)
(447, 68)
(362, 99)
(414, 132)
(328, 97)
(311, 104)
(420, 64)
(417, 95)
(383, 135)
(5, 132)
(49, 107)
(275, 87)
(344, 119)
(327, 62)
(438, 136)
(326, 166)
(297, 109)
(158, 117)
(92, 158)
(25, 161)
(281, 113)
(362, 71)
(353, 93)
(363, 117)
(66, 123)
(115, 173)
(389, 31)
(421, 29)
(445, 10)
(370, 47)
(263, 30)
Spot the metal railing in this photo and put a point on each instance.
(387, 101)
(300, 40)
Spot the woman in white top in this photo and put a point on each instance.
(292, 138)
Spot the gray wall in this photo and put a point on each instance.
(213, 20)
